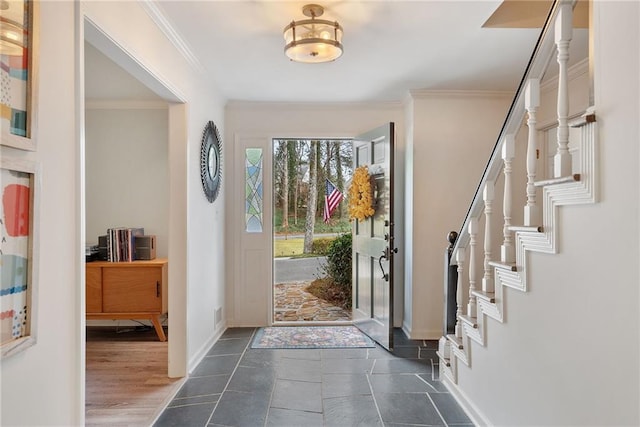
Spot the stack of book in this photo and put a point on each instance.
(121, 243)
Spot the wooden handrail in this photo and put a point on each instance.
(542, 54)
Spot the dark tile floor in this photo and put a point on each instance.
(236, 385)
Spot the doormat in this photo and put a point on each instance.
(311, 337)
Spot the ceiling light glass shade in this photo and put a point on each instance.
(313, 40)
(11, 39)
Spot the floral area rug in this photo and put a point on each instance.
(311, 337)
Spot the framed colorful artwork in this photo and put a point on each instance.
(18, 73)
(19, 193)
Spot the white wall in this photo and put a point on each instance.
(453, 135)
(257, 124)
(127, 172)
(569, 352)
(50, 375)
(196, 251)
(42, 385)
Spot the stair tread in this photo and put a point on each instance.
(447, 362)
(511, 266)
(455, 341)
(471, 321)
(527, 228)
(554, 181)
(490, 297)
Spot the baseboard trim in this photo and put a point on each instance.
(406, 328)
(422, 334)
(177, 386)
(197, 358)
(472, 411)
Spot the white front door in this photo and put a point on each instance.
(373, 240)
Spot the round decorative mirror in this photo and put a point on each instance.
(210, 161)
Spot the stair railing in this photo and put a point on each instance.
(538, 63)
(554, 40)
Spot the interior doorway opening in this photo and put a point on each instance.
(159, 119)
(311, 230)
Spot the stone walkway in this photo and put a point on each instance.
(293, 303)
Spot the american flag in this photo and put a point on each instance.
(332, 198)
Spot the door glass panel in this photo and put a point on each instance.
(253, 190)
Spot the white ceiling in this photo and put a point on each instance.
(390, 47)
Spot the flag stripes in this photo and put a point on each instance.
(332, 199)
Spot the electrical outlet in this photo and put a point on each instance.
(218, 317)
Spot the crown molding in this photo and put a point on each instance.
(172, 34)
(124, 104)
(430, 94)
(312, 106)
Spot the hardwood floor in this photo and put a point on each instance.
(126, 377)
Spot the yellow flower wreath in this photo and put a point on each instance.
(360, 195)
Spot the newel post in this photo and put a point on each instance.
(532, 102)
(563, 35)
(507, 253)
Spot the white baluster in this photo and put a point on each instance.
(507, 252)
(473, 232)
(563, 35)
(460, 261)
(532, 102)
(487, 195)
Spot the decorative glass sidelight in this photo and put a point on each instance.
(253, 190)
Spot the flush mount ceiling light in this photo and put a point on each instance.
(11, 33)
(313, 40)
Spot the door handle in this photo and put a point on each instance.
(385, 276)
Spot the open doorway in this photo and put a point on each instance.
(125, 349)
(311, 230)
(134, 108)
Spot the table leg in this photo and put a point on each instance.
(158, 326)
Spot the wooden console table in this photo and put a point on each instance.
(127, 290)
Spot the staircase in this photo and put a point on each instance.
(484, 274)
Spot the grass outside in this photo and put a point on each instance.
(336, 225)
(290, 248)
